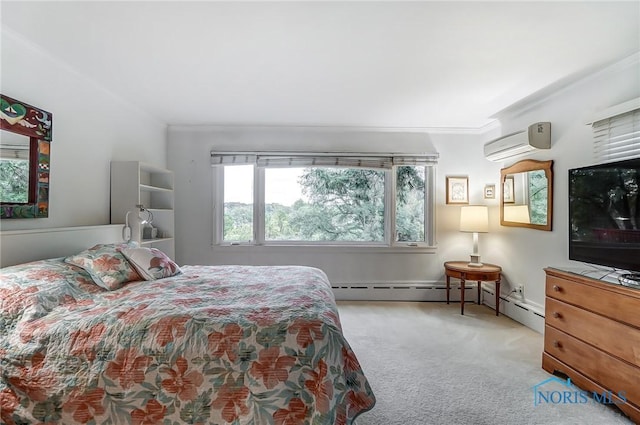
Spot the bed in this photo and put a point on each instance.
(162, 344)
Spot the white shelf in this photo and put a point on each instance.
(137, 183)
(155, 188)
(154, 240)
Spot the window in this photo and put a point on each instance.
(410, 204)
(238, 203)
(324, 199)
(324, 204)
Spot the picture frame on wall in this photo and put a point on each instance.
(457, 190)
(489, 191)
(507, 191)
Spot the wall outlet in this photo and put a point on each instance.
(520, 290)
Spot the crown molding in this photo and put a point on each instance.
(203, 128)
(561, 86)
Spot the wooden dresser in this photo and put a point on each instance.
(592, 335)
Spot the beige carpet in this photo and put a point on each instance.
(427, 364)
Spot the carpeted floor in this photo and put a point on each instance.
(427, 364)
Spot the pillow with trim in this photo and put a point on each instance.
(106, 265)
(151, 263)
(115, 246)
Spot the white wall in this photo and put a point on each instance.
(91, 127)
(188, 156)
(525, 252)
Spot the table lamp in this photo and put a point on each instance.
(474, 218)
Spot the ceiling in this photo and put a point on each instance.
(373, 64)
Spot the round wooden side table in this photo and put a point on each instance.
(463, 271)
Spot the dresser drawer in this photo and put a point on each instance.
(608, 335)
(597, 299)
(610, 373)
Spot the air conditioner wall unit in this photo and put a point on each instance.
(537, 136)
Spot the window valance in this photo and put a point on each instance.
(329, 159)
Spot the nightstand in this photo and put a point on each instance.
(461, 270)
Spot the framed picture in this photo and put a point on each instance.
(489, 191)
(458, 190)
(507, 191)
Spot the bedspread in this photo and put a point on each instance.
(213, 345)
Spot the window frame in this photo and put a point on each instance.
(389, 216)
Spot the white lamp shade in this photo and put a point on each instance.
(517, 213)
(474, 218)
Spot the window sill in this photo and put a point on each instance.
(333, 248)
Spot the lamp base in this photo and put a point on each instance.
(475, 261)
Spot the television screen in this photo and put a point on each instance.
(604, 214)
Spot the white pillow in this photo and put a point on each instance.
(151, 263)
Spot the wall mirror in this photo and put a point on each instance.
(25, 139)
(527, 195)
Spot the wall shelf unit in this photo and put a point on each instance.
(138, 183)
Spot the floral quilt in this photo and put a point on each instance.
(213, 345)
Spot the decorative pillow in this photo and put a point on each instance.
(115, 246)
(151, 263)
(106, 265)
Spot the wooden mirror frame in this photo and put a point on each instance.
(521, 167)
(37, 124)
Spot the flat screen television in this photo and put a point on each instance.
(604, 214)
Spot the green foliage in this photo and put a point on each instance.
(347, 205)
(538, 196)
(342, 204)
(277, 224)
(238, 221)
(14, 181)
(410, 204)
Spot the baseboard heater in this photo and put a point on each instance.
(520, 310)
(399, 291)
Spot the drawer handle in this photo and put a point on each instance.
(556, 288)
(556, 315)
(557, 344)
